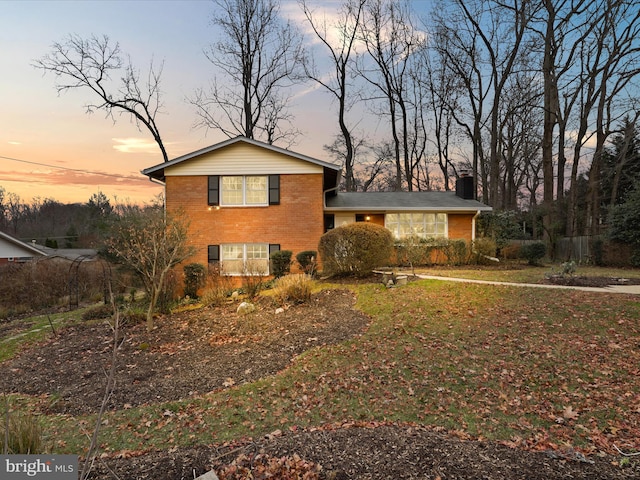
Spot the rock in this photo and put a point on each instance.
(245, 308)
(279, 310)
(401, 280)
(235, 295)
(210, 475)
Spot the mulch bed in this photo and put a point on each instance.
(204, 350)
(581, 281)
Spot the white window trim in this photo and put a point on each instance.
(244, 259)
(244, 191)
(395, 231)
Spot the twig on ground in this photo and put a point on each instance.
(634, 454)
(52, 327)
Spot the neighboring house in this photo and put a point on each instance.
(246, 199)
(14, 250)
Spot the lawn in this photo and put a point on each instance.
(532, 368)
(529, 367)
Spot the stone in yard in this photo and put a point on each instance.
(245, 308)
(211, 475)
(279, 310)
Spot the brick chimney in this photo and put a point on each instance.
(464, 186)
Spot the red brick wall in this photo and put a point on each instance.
(296, 224)
(460, 226)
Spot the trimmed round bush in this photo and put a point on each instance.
(281, 263)
(307, 260)
(533, 252)
(355, 249)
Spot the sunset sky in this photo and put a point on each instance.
(51, 148)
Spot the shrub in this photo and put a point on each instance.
(411, 251)
(280, 262)
(293, 288)
(95, 313)
(457, 252)
(24, 435)
(510, 251)
(253, 277)
(533, 252)
(355, 249)
(194, 277)
(308, 262)
(484, 249)
(217, 287)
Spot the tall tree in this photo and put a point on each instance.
(89, 64)
(258, 55)
(616, 66)
(621, 164)
(392, 42)
(341, 55)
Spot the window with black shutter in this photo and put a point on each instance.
(213, 253)
(273, 247)
(214, 190)
(274, 189)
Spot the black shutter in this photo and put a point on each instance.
(213, 253)
(214, 190)
(274, 189)
(273, 247)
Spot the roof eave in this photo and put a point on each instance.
(408, 209)
(157, 171)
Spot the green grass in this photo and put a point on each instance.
(35, 329)
(529, 367)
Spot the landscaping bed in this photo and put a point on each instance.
(192, 353)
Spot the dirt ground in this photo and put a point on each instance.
(199, 351)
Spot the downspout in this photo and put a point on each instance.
(324, 195)
(473, 226)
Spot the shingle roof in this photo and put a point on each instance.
(19, 243)
(402, 201)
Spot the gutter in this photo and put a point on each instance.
(473, 226)
(324, 196)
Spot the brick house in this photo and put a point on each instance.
(13, 250)
(246, 199)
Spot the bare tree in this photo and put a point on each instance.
(150, 242)
(337, 83)
(454, 46)
(443, 92)
(616, 66)
(258, 56)
(392, 42)
(80, 63)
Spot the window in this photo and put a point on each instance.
(239, 190)
(423, 225)
(244, 190)
(245, 259)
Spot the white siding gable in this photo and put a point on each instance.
(242, 159)
(8, 250)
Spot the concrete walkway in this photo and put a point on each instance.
(628, 289)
